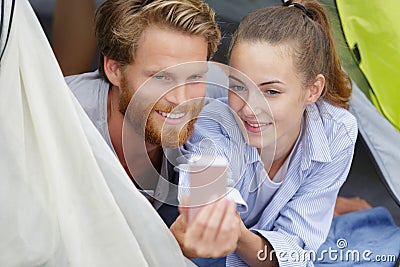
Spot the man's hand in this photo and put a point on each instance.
(213, 232)
(178, 229)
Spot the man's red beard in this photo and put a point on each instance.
(171, 136)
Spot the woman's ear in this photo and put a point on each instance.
(112, 71)
(315, 89)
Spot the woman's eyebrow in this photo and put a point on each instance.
(271, 82)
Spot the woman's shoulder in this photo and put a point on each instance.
(219, 112)
(216, 105)
(335, 120)
(217, 117)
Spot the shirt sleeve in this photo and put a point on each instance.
(212, 136)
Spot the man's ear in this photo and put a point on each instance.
(315, 89)
(112, 70)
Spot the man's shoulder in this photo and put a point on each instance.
(89, 88)
(91, 91)
(84, 82)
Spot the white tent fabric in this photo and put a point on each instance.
(64, 198)
(381, 137)
(5, 18)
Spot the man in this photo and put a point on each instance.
(140, 42)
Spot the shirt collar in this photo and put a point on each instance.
(252, 154)
(315, 145)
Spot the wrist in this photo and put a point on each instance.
(245, 237)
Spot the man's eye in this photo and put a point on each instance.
(160, 77)
(195, 77)
(238, 88)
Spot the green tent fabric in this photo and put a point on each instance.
(371, 31)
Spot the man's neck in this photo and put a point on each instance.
(115, 121)
(137, 153)
(155, 154)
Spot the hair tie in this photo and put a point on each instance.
(299, 6)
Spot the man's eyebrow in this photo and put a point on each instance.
(202, 70)
(236, 79)
(152, 72)
(155, 71)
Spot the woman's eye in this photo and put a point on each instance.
(238, 88)
(272, 92)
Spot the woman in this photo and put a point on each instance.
(288, 52)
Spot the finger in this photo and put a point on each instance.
(228, 234)
(230, 221)
(196, 229)
(199, 223)
(214, 221)
(184, 209)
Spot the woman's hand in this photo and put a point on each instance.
(212, 233)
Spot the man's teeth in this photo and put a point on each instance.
(256, 124)
(172, 115)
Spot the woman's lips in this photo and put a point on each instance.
(256, 127)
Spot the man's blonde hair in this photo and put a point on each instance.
(120, 24)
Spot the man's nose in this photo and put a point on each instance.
(178, 95)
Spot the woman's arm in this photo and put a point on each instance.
(254, 249)
(303, 222)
